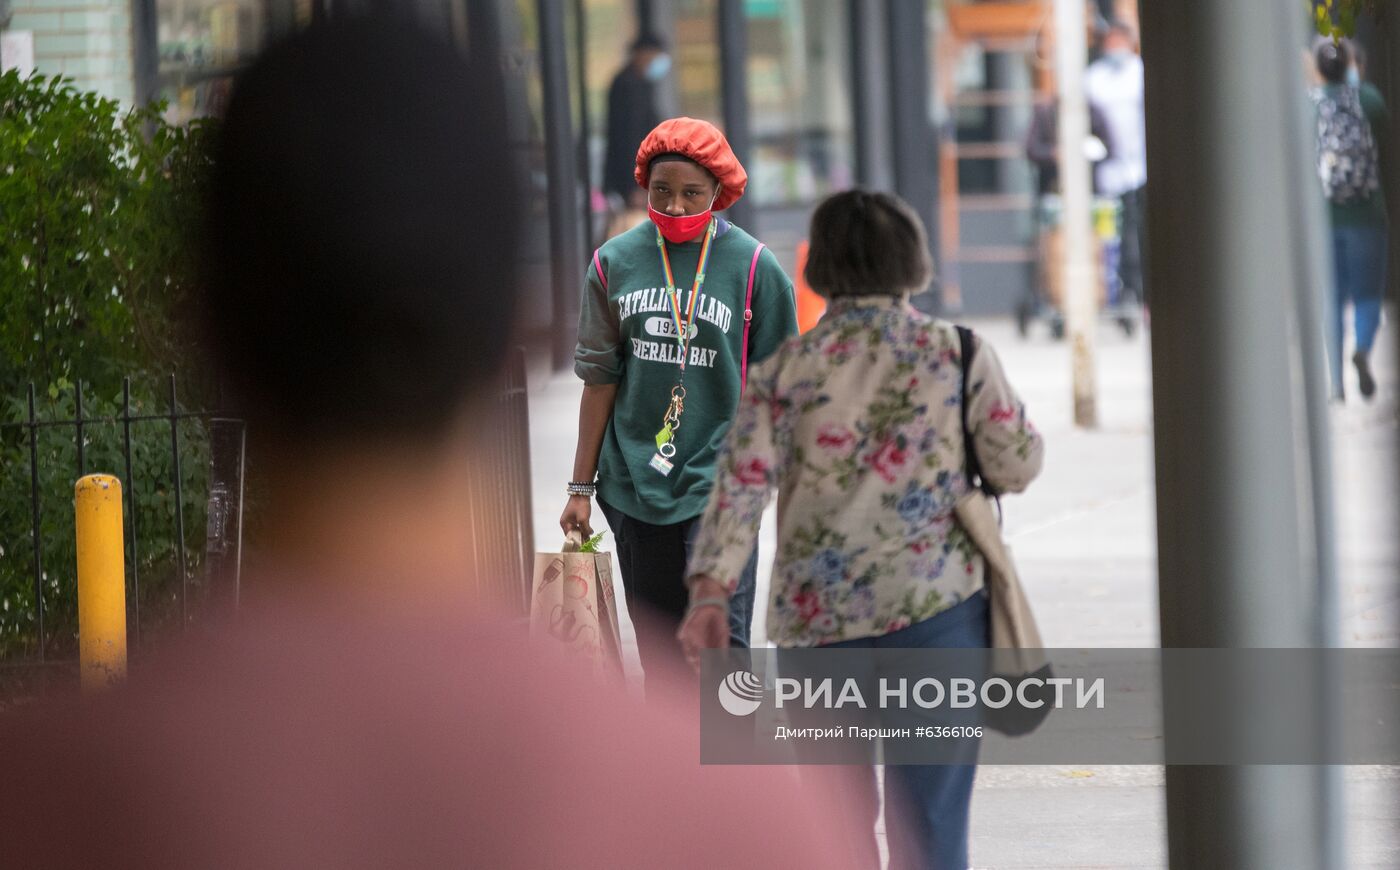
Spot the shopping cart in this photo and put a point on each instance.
(1046, 300)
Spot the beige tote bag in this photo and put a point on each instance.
(1015, 636)
(1017, 652)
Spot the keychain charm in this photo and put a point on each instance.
(664, 454)
(662, 464)
(666, 438)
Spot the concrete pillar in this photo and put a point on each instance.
(1234, 226)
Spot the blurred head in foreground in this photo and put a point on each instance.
(358, 285)
(360, 236)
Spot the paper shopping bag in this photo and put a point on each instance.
(571, 603)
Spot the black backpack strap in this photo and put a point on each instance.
(968, 350)
(974, 467)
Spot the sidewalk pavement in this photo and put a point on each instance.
(1084, 537)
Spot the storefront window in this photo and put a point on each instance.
(202, 43)
(696, 46)
(799, 84)
(799, 92)
(800, 105)
(609, 28)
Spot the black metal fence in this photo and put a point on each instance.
(189, 466)
(502, 517)
(69, 442)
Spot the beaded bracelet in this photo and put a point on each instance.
(588, 489)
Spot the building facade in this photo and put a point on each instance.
(88, 41)
(929, 98)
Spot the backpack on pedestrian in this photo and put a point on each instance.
(1348, 158)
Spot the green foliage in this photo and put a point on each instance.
(97, 205)
(1337, 18)
(591, 545)
(96, 262)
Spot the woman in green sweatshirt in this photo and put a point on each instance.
(673, 313)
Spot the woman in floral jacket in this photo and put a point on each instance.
(858, 425)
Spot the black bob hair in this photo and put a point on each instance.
(1333, 58)
(866, 243)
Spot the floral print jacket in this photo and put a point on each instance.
(858, 426)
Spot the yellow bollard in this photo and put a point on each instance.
(101, 581)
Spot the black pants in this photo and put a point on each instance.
(653, 561)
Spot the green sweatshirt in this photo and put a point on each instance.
(625, 338)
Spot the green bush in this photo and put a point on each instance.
(96, 268)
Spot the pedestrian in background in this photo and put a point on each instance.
(1114, 84)
(1351, 124)
(370, 708)
(632, 114)
(1045, 289)
(673, 313)
(857, 426)
(1043, 145)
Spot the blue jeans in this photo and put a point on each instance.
(1359, 254)
(653, 560)
(927, 806)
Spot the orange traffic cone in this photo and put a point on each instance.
(810, 306)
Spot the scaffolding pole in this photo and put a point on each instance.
(1081, 300)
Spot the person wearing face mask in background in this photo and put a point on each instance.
(632, 114)
(674, 312)
(1114, 85)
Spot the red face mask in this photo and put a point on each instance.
(686, 228)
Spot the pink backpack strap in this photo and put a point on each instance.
(602, 276)
(748, 321)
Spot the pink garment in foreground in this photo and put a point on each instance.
(315, 737)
